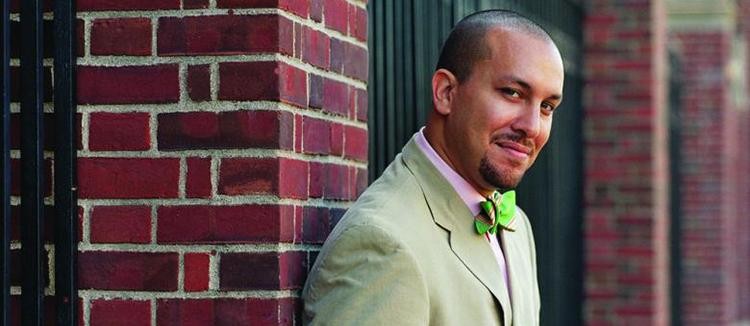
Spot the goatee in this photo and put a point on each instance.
(501, 180)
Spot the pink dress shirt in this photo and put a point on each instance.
(470, 196)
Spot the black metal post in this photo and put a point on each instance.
(32, 163)
(5, 164)
(66, 240)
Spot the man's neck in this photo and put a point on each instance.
(435, 139)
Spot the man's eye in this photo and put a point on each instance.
(511, 92)
(548, 107)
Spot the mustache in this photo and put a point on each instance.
(515, 137)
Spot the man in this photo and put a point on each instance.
(437, 239)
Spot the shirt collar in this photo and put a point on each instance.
(468, 194)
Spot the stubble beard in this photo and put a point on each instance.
(501, 179)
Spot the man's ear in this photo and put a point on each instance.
(444, 85)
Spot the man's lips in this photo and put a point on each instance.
(515, 148)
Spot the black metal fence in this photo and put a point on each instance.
(32, 156)
(404, 41)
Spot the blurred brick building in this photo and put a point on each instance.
(665, 231)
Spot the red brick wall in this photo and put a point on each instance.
(743, 175)
(626, 172)
(220, 142)
(703, 56)
(715, 253)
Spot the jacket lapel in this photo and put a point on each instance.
(450, 212)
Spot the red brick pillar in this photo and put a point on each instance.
(221, 140)
(626, 186)
(703, 35)
(743, 174)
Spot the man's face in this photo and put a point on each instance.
(501, 114)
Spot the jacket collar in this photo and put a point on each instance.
(450, 212)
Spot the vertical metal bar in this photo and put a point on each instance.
(410, 112)
(398, 132)
(5, 164)
(66, 237)
(377, 107)
(421, 81)
(32, 160)
(390, 83)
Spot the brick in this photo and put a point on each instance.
(120, 312)
(136, 271)
(199, 83)
(121, 36)
(358, 23)
(335, 97)
(316, 10)
(128, 85)
(15, 182)
(186, 312)
(268, 80)
(120, 224)
(128, 177)
(349, 59)
(225, 130)
(317, 94)
(238, 176)
(337, 139)
(293, 175)
(261, 271)
(335, 15)
(355, 143)
(362, 181)
(334, 186)
(315, 224)
(283, 177)
(297, 32)
(355, 62)
(318, 176)
(361, 105)
(194, 4)
(314, 136)
(315, 49)
(198, 178)
(297, 133)
(196, 271)
(101, 5)
(224, 224)
(244, 311)
(298, 218)
(352, 105)
(119, 131)
(299, 8)
(224, 35)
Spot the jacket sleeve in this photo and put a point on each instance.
(364, 276)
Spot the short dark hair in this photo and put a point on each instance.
(466, 44)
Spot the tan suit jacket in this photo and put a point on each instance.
(406, 253)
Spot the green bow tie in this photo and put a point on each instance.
(497, 210)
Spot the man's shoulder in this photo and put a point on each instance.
(394, 195)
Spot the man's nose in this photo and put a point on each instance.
(528, 120)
